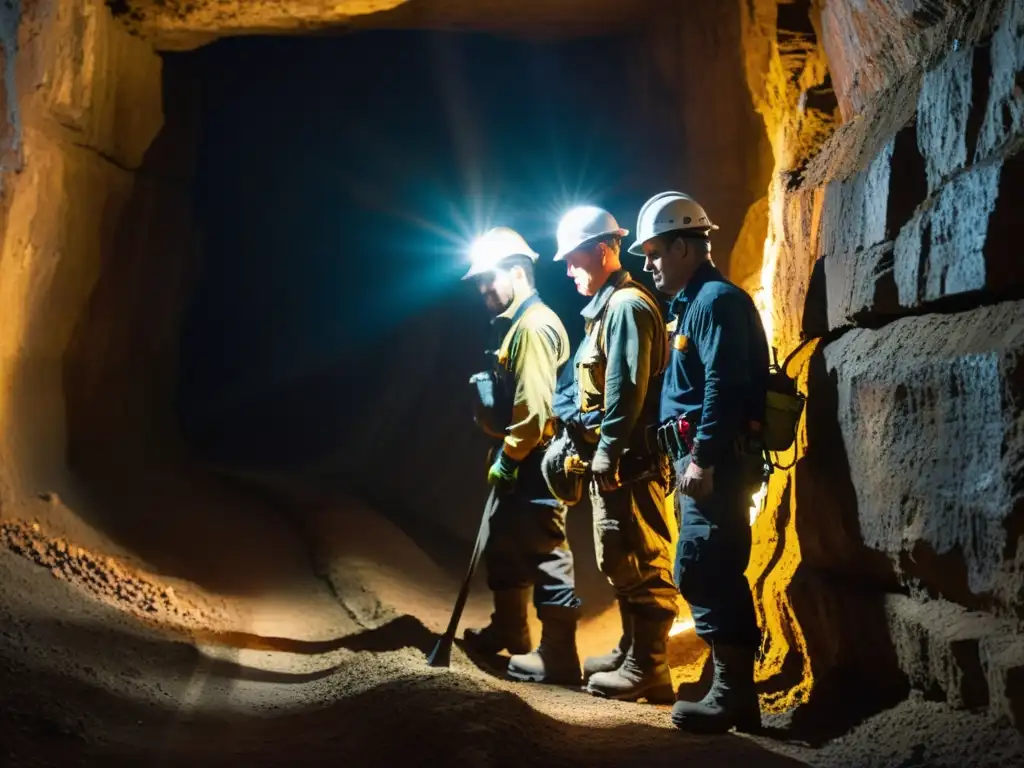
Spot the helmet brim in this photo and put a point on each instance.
(479, 269)
(563, 252)
(637, 248)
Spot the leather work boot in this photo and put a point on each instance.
(609, 662)
(644, 672)
(732, 700)
(556, 660)
(508, 629)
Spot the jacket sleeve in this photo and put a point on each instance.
(535, 356)
(722, 344)
(629, 333)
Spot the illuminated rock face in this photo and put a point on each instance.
(185, 24)
(83, 106)
(910, 458)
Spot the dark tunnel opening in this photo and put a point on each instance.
(328, 339)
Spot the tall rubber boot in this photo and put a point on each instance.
(644, 672)
(732, 700)
(609, 662)
(556, 660)
(508, 629)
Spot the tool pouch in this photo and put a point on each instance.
(784, 405)
(560, 468)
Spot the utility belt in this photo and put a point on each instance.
(567, 460)
(675, 439)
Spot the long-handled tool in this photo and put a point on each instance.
(442, 653)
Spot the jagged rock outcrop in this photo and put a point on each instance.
(911, 481)
(86, 106)
(185, 24)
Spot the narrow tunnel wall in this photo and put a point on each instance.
(84, 105)
(98, 248)
(904, 504)
(694, 86)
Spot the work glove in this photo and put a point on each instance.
(605, 471)
(697, 483)
(503, 472)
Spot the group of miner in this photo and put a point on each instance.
(651, 404)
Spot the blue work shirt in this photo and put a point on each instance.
(718, 363)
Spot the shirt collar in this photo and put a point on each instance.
(705, 273)
(596, 306)
(516, 304)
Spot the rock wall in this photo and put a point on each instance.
(907, 489)
(84, 106)
(186, 24)
(693, 81)
(96, 254)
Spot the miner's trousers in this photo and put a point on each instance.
(527, 545)
(714, 550)
(633, 534)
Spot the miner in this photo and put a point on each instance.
(527, 546)
(617, 372)
(712, 407)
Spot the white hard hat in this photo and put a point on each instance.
(666, 212)
(583, 223)
(493, 247)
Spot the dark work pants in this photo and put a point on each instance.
(527, 544)
(633, 538)
(713, 553)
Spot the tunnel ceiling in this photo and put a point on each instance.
(185, 24)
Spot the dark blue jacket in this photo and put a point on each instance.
(718, 366)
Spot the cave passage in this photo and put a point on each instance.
(239, 478)
(338, 184)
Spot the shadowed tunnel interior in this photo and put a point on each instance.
(329, 332)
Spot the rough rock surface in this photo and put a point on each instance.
(932, 168)
(910, 454)
(871, 44)
(184, 24)
(103, 688)
(89, 106)
(144, 595)
(721, 154)
(932, 424)
(940, 649)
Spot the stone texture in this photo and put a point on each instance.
(930, 412)
(725, 160)
(818, 589)
(872, 44)
(88, 106)
(942, 115)
(861, 286)
(939, 647)
(855, 144)
(1004, 113)
(748, 253)
(793, 232)
(1002, 658)
(64, 213)
(185, 24)
(960, 239)
(97, 82)
(954, 245)
(788, 77)
(854, 210)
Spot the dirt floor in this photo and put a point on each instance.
(106, 663)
